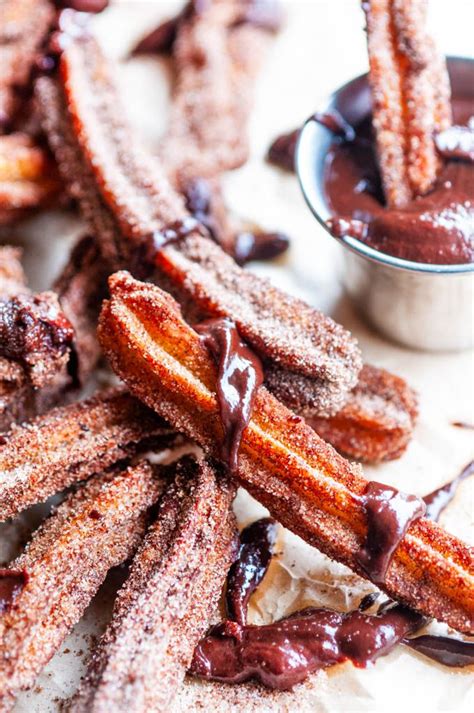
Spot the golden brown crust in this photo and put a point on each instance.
(164, 607)
(411, 96)
(28, 178)
(302, 480)
(96, 528)
(69, 444)
(377, 421)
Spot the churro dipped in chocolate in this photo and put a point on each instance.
(70, 443)
(164, 607)
(411, 97)
(305, 484)
(96, 528)
(311, 361)
(24, 25)
(28, 178)
(377, 421)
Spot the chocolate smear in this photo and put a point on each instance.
(444, 649)
(439, 499)
(256, 548)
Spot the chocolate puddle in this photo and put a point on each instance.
(284, 653)
(240, 374)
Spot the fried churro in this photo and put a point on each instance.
(310, 360)
(96, 528)
(411, 97)
(28, 178)
(377, 421)
(24, 25)
(164, 607)
(305, 484)
(217, 53)
(70, 443)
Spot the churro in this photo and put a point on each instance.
(305, 484)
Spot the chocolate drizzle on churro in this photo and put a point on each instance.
(12, 581)
(256, 549)
(389, 515)
(240, 376)
(440, 498)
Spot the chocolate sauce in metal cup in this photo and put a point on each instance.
(418, 304)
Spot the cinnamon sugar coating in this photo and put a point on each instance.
(96, 528)
(377, 421)
(70, 443)
(410, 96)
(302, 480)
(164, 607)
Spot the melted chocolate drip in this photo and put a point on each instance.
(255, 554)
(284, 653)
(389, 515)
(457, 142)
(259, 245)
(240, 374)
(12, 583)
(440, 498)
(198, 199)
(444, 649)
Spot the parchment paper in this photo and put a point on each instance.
(322, 46)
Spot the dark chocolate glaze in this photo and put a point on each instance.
(284, 653)
(389, 514)
(440, 498)
(457, 142)
(256, 548)
(174, 232)
(12, 582)
(198, 198)
(444, 649)
(240, 374)
(437, 228)
(259, 245)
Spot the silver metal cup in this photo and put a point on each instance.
(423, 306)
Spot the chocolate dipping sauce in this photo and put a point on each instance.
(437, 228)
(438, 500)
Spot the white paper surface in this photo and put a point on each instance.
(322, 46)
